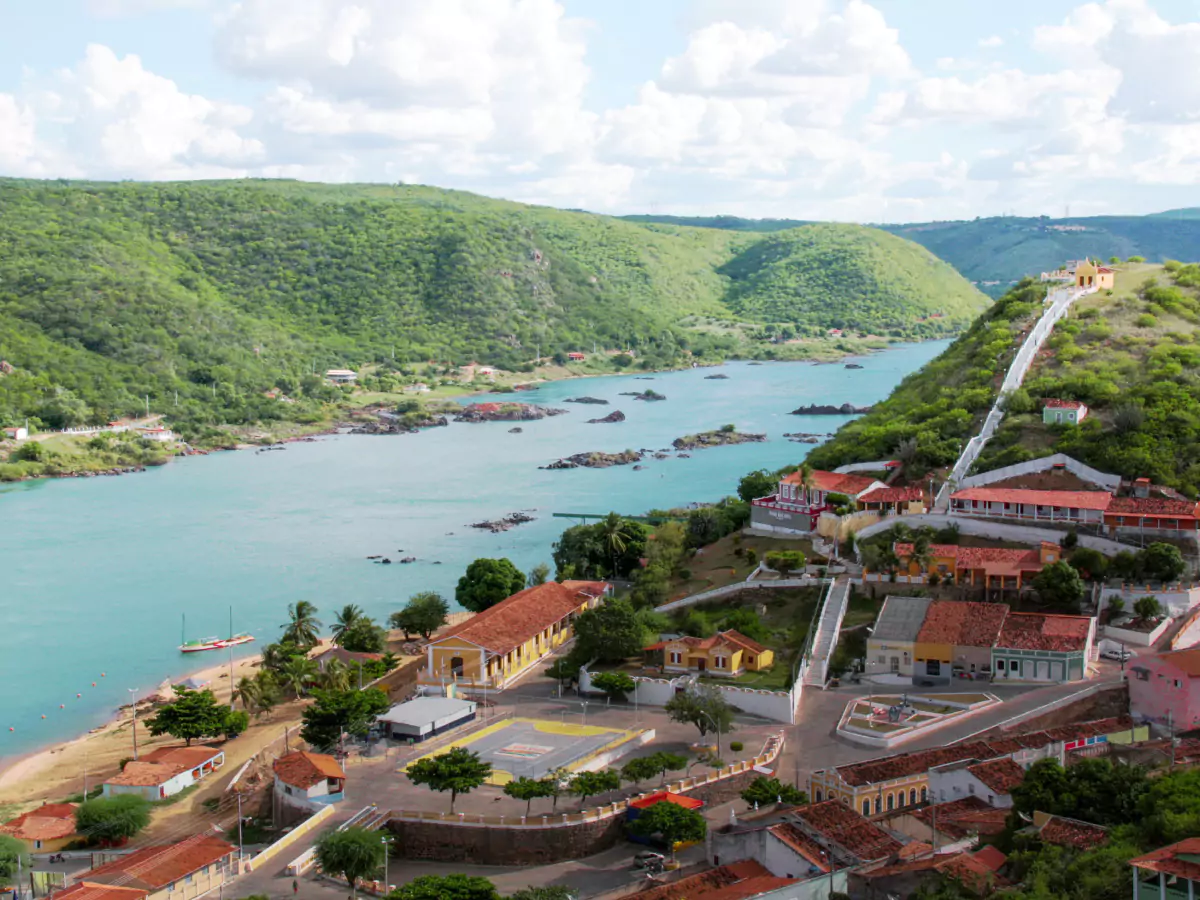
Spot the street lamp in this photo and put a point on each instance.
(387, 842)
(133, 706)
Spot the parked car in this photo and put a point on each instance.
(1117, 655)
(650, 861)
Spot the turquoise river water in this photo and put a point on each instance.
(95, 573)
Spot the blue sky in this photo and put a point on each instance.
(859, 110)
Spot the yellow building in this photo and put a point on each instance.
(492, 648)
(725, 653)
(48, 828)
(1089, 274)
(183, 871)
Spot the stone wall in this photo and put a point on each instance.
(1101, 704)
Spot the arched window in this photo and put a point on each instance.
(866, 807)
(818, 795)
(924, 794)
(891, 803)
(912, 797)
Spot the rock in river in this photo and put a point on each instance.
(505, 412)
(717, 438)
(596, 400)
(717, 377)
(595, 460)
(615, 416)
(846, 409)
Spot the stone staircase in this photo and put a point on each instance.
(828, 627)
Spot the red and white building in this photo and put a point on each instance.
(796, 506)
(1115, 515)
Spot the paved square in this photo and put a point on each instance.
(533, 748)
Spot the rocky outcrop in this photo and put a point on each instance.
(615, 416)
(595, 460)
(505, 412)
(718, 377)
(853, 366)
(495, 526)
(595, 400)
(718, 438)
(846, 409)
(647, 394)
(517, 430)
(407, 424)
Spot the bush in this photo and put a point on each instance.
(736, 746)
(1145, 320)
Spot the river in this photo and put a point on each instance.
(95, 574)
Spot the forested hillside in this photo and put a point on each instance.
(218, 291)
(1005, 249)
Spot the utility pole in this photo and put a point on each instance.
(241, 850)
(133, 706)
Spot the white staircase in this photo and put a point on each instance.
(828, 628)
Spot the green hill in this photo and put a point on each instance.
(202, 296)
(844, 276)
(1130, 354)
(1003, 250)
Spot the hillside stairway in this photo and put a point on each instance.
(828, 627)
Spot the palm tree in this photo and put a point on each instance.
(336, 676)
(246, 691)
(343, 621)
(806, 480)
(613, 535)
(297, 672)
(303, 625)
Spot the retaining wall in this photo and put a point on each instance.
(1004, 531)
(1045, 464)
(778, 706)
(1176, 599)
(1137, 638)
(310, 824)
(735, 588)
(1095, 702)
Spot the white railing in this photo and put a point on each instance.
(830, 625)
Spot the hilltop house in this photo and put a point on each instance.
(575, 356)
(725, 653)
(308, 781)
(893, 501)
(48, 828)
(795, 506)
(495, 646)
(1169, 873)
(956, 635)
(341, 376)
(1063, 412)
(1088, 274)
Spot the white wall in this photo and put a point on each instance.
(1177, 599)
(1045, 464)
(956, 783)
(778, 706)
(1006, 531)
(1137, 638)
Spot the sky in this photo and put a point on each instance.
(851, 110)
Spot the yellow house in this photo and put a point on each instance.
(48, 828)
(1088, 274)
(191, 868)
(725, 653)
(492, 648)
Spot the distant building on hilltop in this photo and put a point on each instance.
(1063, 412)
(341, 376)
(1089, 274)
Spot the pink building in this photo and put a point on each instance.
(1165, 688)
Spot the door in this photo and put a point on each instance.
(895, 665)
(456, 665)
(701, 664)
(1043, 670)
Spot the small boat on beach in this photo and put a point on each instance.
(212, 643)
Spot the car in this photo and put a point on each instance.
(1117, 655)
(648, 859)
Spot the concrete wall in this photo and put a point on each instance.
(781, 520)
(1137, 638)
(736, 588)
(1178, 599)
(492, 846)
(1005, 531)
(1045, 464)
(778, 706)
(1097, 702)
(290, 839)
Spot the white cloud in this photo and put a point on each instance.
(117, 9)
(993, 40)
(17, 135)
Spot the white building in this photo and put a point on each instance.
(308, 780)
(342, 376)
(423, 718)
(16, 433)
(158, 434)
(165, 772)
(991, 781)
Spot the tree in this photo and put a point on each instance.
(539, 574)
(364, 636)
(193, 714)
(756, 484)
(1060, 587)
(338, 712)
(112, 820)
(640, 769)
(746, 621)
(1089, 563)
(303, 625)
(487, 582)
(612, 533)
(354, 853)
(529, 789)
(12, 856)
(424, 614)
(1116, 606)
(589, 784)
(1146, 608)
(702, 706)
(1093, 790)
(260, 693)
(1163, 561)
(609, 633)
(764, 791)
(560, 783)
(670, 762)
(544, 892)
(458, 771)
(615, 684)
(336, 677)
(344, 619)
(672, 824)
(1125, 565)
(565, 669)
(297, 673)
(236, 721)
(446, 887)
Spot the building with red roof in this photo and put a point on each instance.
(992, 780)
(1088, 274)
(1066, 832)
(308, 781)
(1165, 688)
(956, 635)
(493, 647)
(165, 772)
(797, 504)
(1043, 647)
(728, 653)
(50, 827)
(1063, 412)
(1064, 507)
(905, 879)
(991, 568)
(740, 880)
(893, 501)
(1171, 872)
(181, 871)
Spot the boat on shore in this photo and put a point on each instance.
(212, 643)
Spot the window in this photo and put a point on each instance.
(1142, 674)
(933, 667)
(970, 789)
(287, 789)
(37, 845)
(818, 795)
(991, 799)
(1177, 682)
(882, 658)
(924, 794)
(187, 879)
(866, 807)
(891, 802)
(912, 797)
(676, 657)
(721, 662)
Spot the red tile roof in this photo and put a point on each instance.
(1063, 404)
(153, 868)
(516, 619)
(721, 637)
(591, 588)
(146, 774)
(962, 623)
(846, 828)
(802, 844)
(892, 495)
(303, 769)
(188, 757)
(833, 482)
(967, 815)
(978, 557)
(49, 822)
(1156, 507)
(991, 857)
(666, 797)
(1072, 833)
(971, 872)
(88, 890)
(998, 775)
(735, 881)
(1165, 860)
(1039, 631)
(1073, 499)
